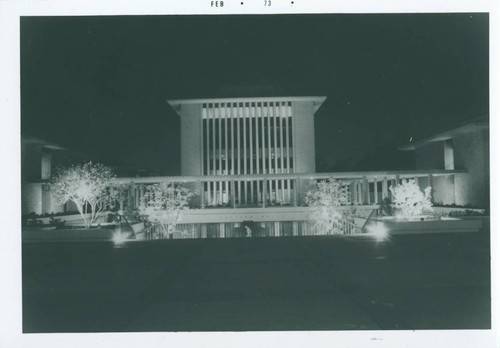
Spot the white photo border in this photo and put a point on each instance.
(10, 249)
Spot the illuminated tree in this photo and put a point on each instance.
(409, 201)
(87, 186)
(164, 203)
(325, 201)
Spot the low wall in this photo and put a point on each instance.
(221, 215)
(439, 226)
(447, 210)
(74, 219)
(41, 235)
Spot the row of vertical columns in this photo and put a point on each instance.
(275, 191)
(135, 194)
(271, 191)
(360, 189)
(262, 191)
(242, 150)
(361, 193)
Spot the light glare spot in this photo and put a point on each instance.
(378, 230)
(119, 238)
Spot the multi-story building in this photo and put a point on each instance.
(252, 137)
(36, 168)
(464, 148)
(39, 158)
(251, 161)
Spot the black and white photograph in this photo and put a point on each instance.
(246, 173)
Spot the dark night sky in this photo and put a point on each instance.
(100, 84)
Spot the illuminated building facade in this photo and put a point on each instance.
(249, 137)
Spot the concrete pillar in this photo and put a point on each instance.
(375, 190)
(304, 160)
(276, 228)
(221, 192)
(211, 113)
(269, 152)
(209, 193)
(275, 137)
(130, 196)
(137, 196)
(288, 192)
(256, 115)
(259, 194)
(393, 185)
(296, 184)
(385, 190)
(203, 230)
(360, 192)
(142, 192)
(295, 228)
(355, 193)
(245, 191)
(222, 228)
(215, 193)
(201, 190)
(46, 165)
(366, 191)
(233, 193)
(251, 191)
(264, 192)
(225, 113)
(191, 139)
(429, 181)
(282, 143)
(244, 115)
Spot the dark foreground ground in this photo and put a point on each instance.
(289, 283)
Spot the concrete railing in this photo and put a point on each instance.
(282, 189)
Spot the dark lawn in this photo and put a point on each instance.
(288, 283)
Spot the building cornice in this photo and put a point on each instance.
(317, 100)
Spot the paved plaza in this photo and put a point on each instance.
(434, 281)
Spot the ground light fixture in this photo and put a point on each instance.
(119, 238)
(378, 230)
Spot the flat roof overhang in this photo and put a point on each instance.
(25, 139)
(317, 100)
(469, 128)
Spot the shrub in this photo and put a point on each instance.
(467, 212)
(325, 200)
(164, 203)
(409, 201)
